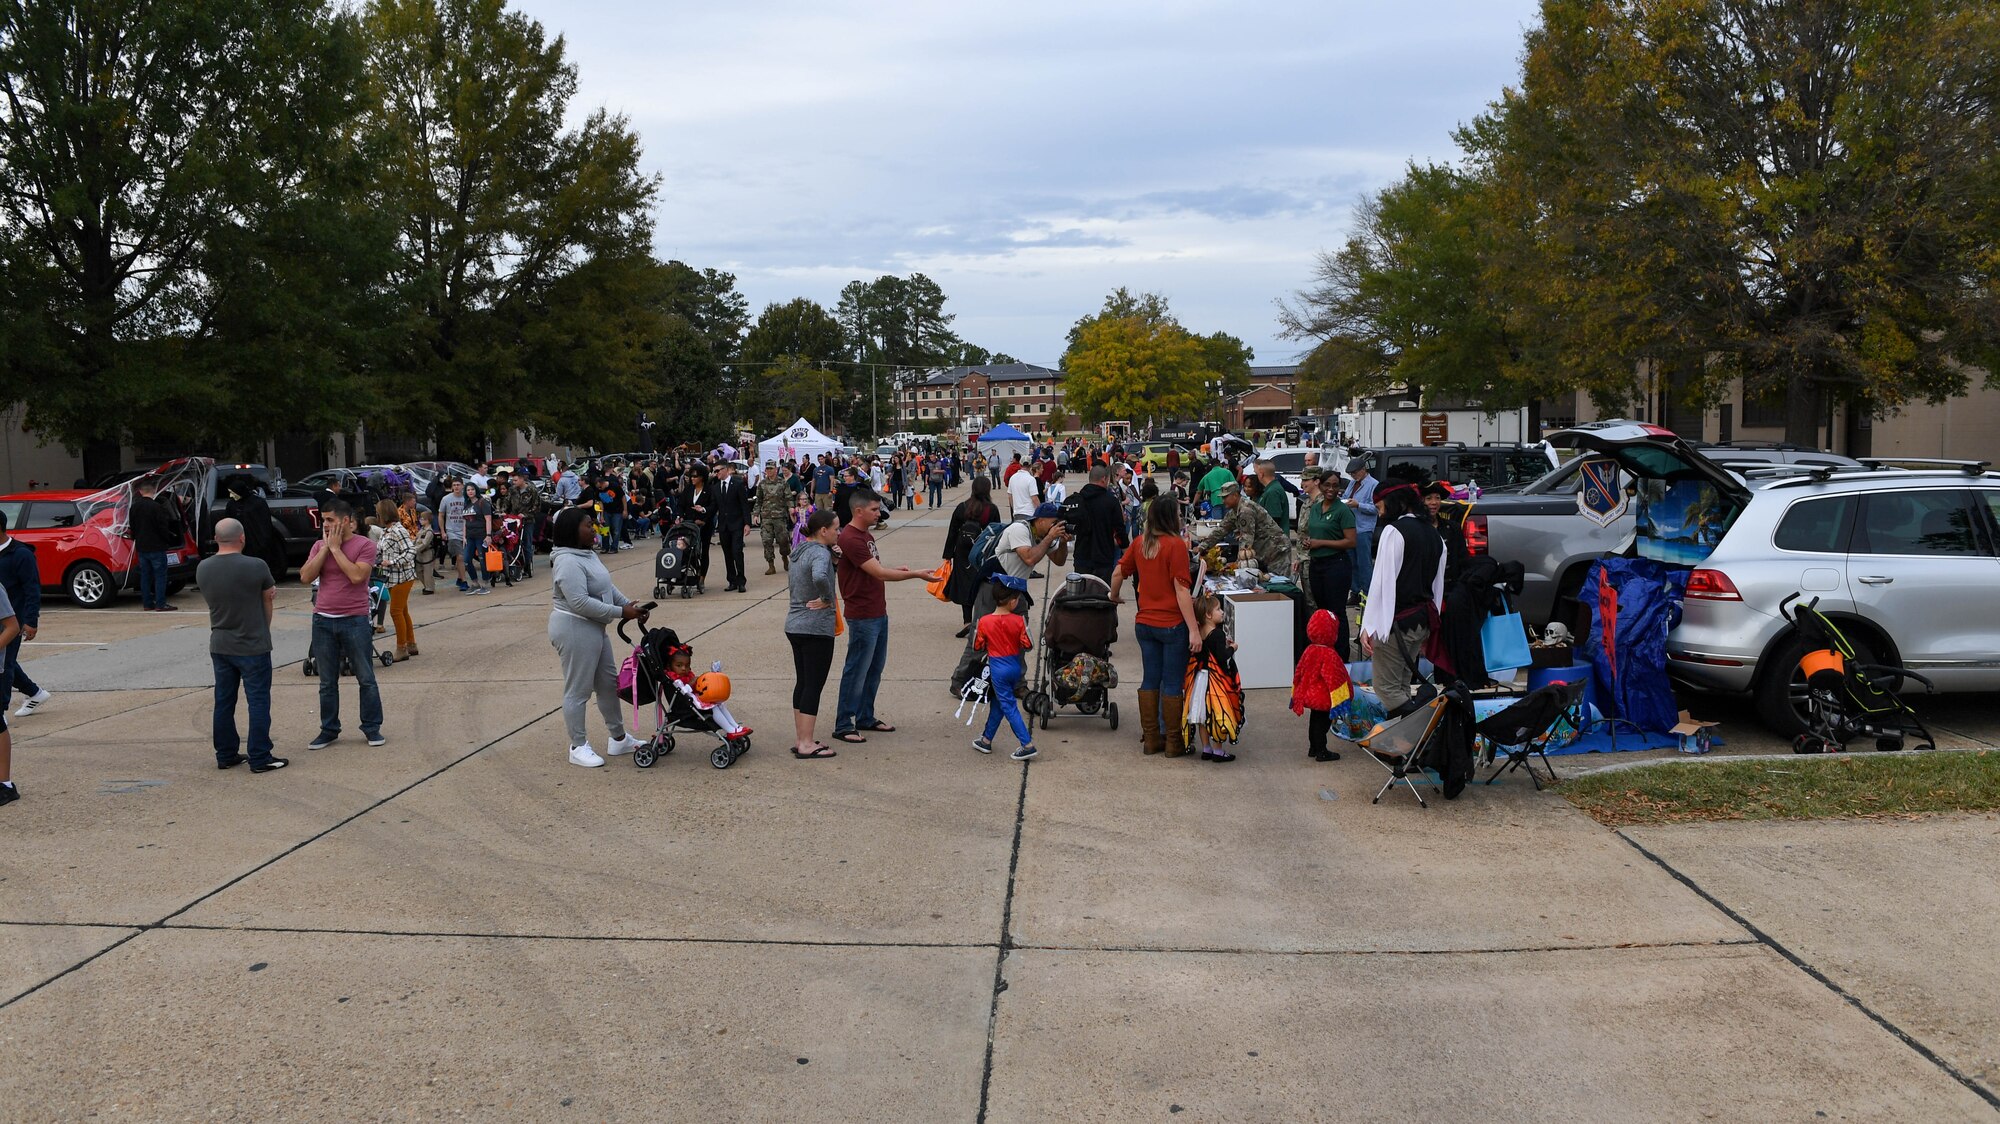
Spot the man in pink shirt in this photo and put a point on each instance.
(343, 560)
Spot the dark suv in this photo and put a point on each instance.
(1496, 465)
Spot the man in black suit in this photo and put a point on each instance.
(732, 522)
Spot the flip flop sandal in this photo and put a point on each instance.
(850, 737)
(879, 727)
(819, 754)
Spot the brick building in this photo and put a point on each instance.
(1030, 396)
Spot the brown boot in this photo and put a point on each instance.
(1149, 721)
(772, 567)
(402, 653)
(1176, 724)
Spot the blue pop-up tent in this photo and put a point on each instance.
(1003, 441)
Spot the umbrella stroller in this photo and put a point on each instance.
(678, 565)
(644, 678)
(1846, 699)
(1073, 666)
(517, 548)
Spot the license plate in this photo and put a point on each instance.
(173, 559)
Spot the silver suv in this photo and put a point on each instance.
(1906, 559)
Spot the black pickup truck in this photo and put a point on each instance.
(294, 519)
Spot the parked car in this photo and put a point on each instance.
(80, 547)
(1498, 465)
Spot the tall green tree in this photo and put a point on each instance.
(1801, 193)
(1133, 361)
(786, 366)
(184, 254)
(505, 217)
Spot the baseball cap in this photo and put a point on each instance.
(1018, 585)
(1048, 511)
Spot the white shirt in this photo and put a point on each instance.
(1057, 493)
(1021, 491)
(1380, 616)
(1017, 536)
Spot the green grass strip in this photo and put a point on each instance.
(1804, 788)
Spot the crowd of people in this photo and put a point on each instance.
(1372, 560)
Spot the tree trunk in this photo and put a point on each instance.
(1802, 413)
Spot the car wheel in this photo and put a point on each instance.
(1781, 689)
(89, 585)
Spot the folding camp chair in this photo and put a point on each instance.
(1399, 745)
(1524, 729)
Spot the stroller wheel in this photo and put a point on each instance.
(309, 668)
(723, 757)
(643, 757)
(1888, 745)
(666, 744)
(387, 658)
(1806, 743)
(659, 590)
(1111, 714)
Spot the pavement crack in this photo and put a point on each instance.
(1800, 962)
(1004, 945)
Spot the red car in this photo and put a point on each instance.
(80, 547)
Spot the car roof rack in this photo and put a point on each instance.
(1970, 468)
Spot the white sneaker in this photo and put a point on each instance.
(585, 756)
(619, 747)
(32, 704)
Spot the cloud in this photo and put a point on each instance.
(1032, 156)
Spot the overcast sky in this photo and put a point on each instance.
(1032, 156)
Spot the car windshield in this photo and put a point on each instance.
(1291, 464)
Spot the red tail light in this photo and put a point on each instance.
(1475, 534)
(1712, 585)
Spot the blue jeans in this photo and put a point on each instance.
(153, 578)
(12, 678)
(617, 523)
(475, 564)
(353, 638)
(861, 674)
(937, 496)
(253, 674)
(1163, 657)
(1364, 561)
(1006, 679)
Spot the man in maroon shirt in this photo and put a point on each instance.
(864, 600)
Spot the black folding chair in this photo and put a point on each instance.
(1523, 730)
(1399, 745)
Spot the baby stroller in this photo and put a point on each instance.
(645, 678)
(1844, 698)
(517, 548)
(1073, 667)
(378, 611)
(678, 565)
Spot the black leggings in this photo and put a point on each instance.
(812, 658)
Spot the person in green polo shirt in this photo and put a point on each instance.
(1273, 496)
(1327, 526)
(1209, 490)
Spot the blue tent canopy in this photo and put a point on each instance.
(1002, 432)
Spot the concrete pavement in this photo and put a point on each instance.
(461, 922)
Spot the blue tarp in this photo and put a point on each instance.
(1633, 603)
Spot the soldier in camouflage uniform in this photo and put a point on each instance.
(1256, 533)
(774, 517)
(520, 498)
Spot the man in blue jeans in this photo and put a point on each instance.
(342, 560)
(21, 578)
(861, 576)
(1360, 495)
(241, 597)
(154, 531)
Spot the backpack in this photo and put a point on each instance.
(986, 546)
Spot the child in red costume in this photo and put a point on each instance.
(1319, 683)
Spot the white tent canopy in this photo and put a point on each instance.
(798, 439)
(1002, 441)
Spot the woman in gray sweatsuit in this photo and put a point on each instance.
(586, 602)
(809, 627)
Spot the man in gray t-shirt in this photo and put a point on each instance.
(241, 601)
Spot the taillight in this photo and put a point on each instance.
(1475, 534)
(1712, 585)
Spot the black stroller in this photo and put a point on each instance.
(644, 679)
(678, 565)
(1073, 667)
(1844, 698)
